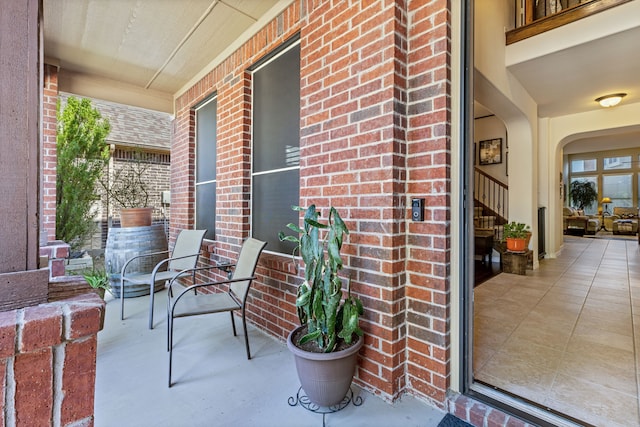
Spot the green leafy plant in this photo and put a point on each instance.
(516, 230)
(82, 154)
(319, 298)
(98, 278)
(583, 194)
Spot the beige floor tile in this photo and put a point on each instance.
(574, 296)
(570, 281)
(523, 352)
(549, 334)
(523, 388)
(481, 355)
(596, 308)
(615, 374)
(574, 350)
(606, 293)
(593, 403)
(506, 313)
(546, 314)
(587, 323)
(596, 336)
(490, 333)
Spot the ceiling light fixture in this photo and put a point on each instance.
(610, 100)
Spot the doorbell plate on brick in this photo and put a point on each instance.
(417, 209)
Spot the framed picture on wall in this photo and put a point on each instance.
(491, 151)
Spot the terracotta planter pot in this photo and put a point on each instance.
(325, 377)
(516, 244)
(135, 217)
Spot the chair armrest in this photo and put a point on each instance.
(224, 267)
(124, 267)
(199, 285)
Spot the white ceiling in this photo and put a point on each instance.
(143, 52)
(564, 70)
(151, 47)
(568, 81)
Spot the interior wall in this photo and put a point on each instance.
(566, 129)
(490, 127)
(503, 95)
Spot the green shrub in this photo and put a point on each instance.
(82, 155)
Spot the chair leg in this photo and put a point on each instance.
(151, 289)
(168, 326)
(246, 335)
(233, 324)
(170, 342)
(168, 331)
(121, 298)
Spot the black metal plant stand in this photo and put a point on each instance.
(602, 227)
(302, 399)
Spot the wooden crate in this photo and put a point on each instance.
(515, 262)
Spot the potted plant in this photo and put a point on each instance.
(517, 235)
(326, 344)
(99, 280)
(127, 189)
(583, 194)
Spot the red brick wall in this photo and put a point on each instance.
(374, 133)
(41, 345)
(428, 243)
(49, 152)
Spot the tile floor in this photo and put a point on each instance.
(564, 335)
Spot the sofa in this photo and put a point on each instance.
(625, 220)
(575, 222)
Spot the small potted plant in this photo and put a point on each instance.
(326, 344)
(99, 280)
(517, 235)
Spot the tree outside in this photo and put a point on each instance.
(82, 156)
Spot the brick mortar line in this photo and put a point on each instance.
(58, 393)
(10, 394)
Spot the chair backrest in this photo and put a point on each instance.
(246, 266)
(188, 242)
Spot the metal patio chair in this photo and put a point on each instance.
(182, 261)
(186, 303)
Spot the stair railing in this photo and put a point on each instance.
(493, 197)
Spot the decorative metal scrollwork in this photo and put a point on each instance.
(302, 399)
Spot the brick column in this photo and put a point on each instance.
(48, 362)
(49, 151)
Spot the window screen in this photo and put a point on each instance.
(206, 126)
(276, 146)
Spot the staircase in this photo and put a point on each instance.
(491, 203)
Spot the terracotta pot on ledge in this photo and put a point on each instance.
(135, 217)
(516, 244)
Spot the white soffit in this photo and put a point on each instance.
(155, 45)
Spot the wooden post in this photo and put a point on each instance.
(20, 90)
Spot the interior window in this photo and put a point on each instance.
(619, 189)
(583, 165)
(276, 146)
(617, 162)
(206, 127)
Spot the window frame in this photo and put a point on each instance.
(211, 234)
(278, 52)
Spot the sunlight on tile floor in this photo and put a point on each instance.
(563, 335)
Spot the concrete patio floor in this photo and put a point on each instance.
(214, 383)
